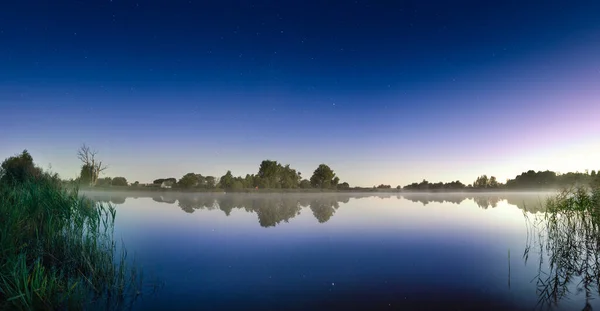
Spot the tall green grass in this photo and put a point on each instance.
(57, 251)
(566, 238)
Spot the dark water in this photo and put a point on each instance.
(336, 251)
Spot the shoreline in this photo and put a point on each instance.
(280, 191)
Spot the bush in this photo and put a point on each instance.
(18, 168)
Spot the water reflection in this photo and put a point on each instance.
(526, 201)
(277, 208)
(565, 243)
(458, 256)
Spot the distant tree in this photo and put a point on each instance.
(106, 181)
(226, 181)
(382, 186)
(250, 181)
(86, 176)
(343, 186)
(119, 181)
(188, 180)
(481, 182)
(269, 174)
(289, 177)
(91, 168)
(335, 181)
(532, 179)
(211, 182)
(160, 181)
(493, 183)
(237, 185)
(201, 181)
(136, 183)
(19, 168)
(323, 177)
(305, 184)
(439, 186)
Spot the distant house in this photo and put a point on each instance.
(168, 184)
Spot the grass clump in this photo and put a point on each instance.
(567, 240)
(57, 250)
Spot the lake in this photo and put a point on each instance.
(456, 251)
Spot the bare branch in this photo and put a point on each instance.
(88, 157)
(102, 167)
(83, 154)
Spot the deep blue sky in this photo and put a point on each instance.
(384, 92)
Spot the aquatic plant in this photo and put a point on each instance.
(567, 240)
(57, 250)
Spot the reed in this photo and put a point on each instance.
(57, 251)
(566, 238)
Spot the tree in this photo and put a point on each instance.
(305, 184)
(323, 177)
(188, 180)
(343, 186)
(19, 168)
(268, 172)
(226, 180)
(136, 183)
(493, 183)
(119, 181)
(335, 181)
(481, 182)
(162, 180)
(91, 166)
(289, 177)
(211, 182)
(237, 185)
(201, 181)
(106, 181)
(250, 181)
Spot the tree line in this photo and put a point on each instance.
(526, 180)
(273, 175)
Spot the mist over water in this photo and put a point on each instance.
(405, 251)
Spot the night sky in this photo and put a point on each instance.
(382, 91)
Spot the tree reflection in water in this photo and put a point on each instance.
(563, 235)
(273, 209)
(531, 201)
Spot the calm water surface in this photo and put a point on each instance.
(334, 251)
